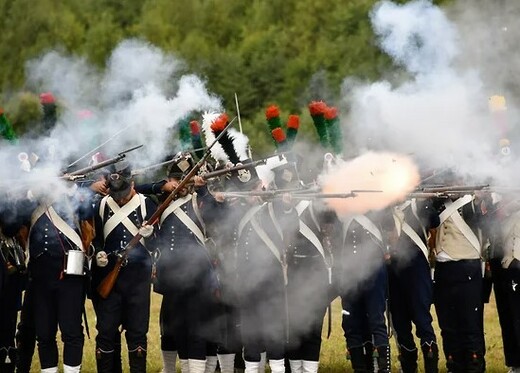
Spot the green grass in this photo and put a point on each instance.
(333, 349)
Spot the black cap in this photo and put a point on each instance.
(286, 176)
(120, 179)
(181, 165)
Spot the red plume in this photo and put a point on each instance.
(293, 121)
(317, 107)
(331, 112)
(278, 135)
(47, 98)
(195, 128)
(272, 112)
(220, 123)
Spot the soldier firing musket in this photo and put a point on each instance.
(108, 283)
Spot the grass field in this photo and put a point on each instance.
(333, 349)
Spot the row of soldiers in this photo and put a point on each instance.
(251, 277)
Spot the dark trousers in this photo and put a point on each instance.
(459, 306)
(10, 299)
(365, 307)
(263, 323)
(230, 342)
(187, 323)
(128, 305)
(411, 297)
(507, 297)
(306, 344)
(308, 294)
(59, 303)
(26, 333)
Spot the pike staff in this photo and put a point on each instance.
(106, 286)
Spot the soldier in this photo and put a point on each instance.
(185, 274)
(309, 277)
(503, 253)
(26, 333)
(411, 285)
(12, 278)
(118, 218)
(57, 267)
(505, 270)
(264, 235)
(363, 287)
(458, 283)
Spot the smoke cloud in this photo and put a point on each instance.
(438, 110)
(137, 99)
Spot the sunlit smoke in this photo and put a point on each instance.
(390, 176)
(438, 109)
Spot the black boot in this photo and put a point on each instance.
(475, 363)
(408, 360)
(455, 363)
(369, 356)
(104, 361)
(383, 359)
(137, 360)
(356, 356)
(431, 357)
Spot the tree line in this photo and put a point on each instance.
(267, 51)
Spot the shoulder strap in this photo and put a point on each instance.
(142, 201)
(369, 226)
(173, 206)
(121, 216)
(197, 212)
(248, 216)
(64, 228)
(274, 219)
(452, 210)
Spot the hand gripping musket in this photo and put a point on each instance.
(106, 286)
(81, 173)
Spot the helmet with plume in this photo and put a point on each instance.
(49, 108)
(283, 140)
(231, 149)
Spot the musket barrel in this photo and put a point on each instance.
(453, 188)
(103, 164)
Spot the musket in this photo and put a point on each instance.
(86, 170)
(99, 146)
(351, 194)
(452, 188)
(299, 194)
(107, 284)
(261, 193)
